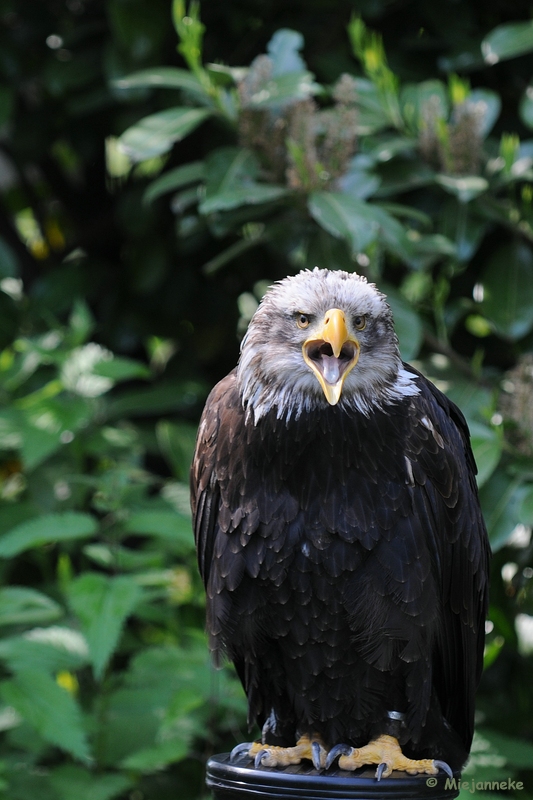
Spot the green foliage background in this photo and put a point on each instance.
(148, 197)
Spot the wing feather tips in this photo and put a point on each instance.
(449, 506)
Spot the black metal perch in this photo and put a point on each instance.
(239, 780)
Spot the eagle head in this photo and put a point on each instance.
(321, 337)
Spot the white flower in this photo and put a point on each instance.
(61, 638)
(77, 373)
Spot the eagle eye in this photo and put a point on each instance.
(359, 322)
(302, 320)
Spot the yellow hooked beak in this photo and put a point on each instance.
(331, 353)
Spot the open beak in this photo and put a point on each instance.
(331, 354)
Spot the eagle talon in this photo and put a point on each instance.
(240, 750)
(335, 752)
(259, 757)
(444, 767)
(318, 753)
(386, 753)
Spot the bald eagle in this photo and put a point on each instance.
(340, 538)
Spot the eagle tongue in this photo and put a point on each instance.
(331, 369)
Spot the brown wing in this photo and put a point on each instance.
(447, 505)
(205, 491)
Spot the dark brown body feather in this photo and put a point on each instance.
(345, 561)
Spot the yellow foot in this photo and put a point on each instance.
(386, 753)
(270, 756)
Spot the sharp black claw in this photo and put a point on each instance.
(259, 756)
(335, 752)
(444, 767)
(240, 750)
(380, 770)
(315, 751)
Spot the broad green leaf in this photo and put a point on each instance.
(132, 715)
(487, 447)
(500, 498)
(185, 199)
(177, 441)
(426, 250)
(345, 217)
(123, 559)
(15, 513)
(284, 50)
(391, 233)
(420, 100)
(10, 430)
(54, 649)
(464, 188)
(359, 181)
(164, 77)
(229, 253)
(48, 708)
(225, 76)
(231, 181)
(102, 605)
(48, 528)
(463, 228)
(517, 752)
(492, 650)
(525, 511)
(473, 400)
(429, 248)
(384, 147)
(228, 168)
(508, 290)
(175, 528)
(22, 783)
(526, 107)
(158, 756)
(320, 247)
(22, 606)
(81, 322)
(283, 89)
(167, 397)
(402, 175)
(168, 524)
(156, 134)
(131, 718)
(507, 41)
(488, 105)
(50, 422)
(161, 687)
(408, 212)
(251, 194)
(75, 783)
(359, 223)
(371, 116)
(38, 446)
(175, 179)
(121, 369)
(407, 324)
